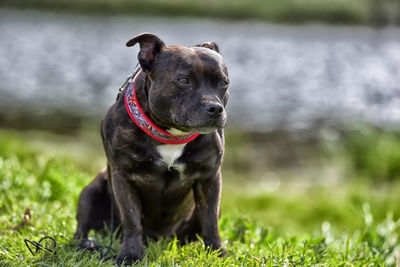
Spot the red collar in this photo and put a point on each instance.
(140, 119)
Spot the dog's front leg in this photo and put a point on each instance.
(129, 206)
(207, 195)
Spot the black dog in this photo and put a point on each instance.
(164, 143)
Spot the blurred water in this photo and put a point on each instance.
(282, 77)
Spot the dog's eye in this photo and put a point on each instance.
(223, 84)
(183, 80)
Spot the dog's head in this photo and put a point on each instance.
(188, 86)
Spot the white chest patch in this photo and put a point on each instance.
(170, 153)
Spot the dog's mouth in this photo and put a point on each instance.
(201, 128)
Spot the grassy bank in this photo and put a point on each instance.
(287, 11)
(287, 217)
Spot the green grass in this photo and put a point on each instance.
(292, 11)
(353, 223)
(370, 153)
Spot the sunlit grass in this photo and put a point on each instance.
(270, 223)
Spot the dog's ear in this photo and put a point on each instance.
(150, 47)
(210, 45)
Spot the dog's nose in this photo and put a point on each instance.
(214, 110)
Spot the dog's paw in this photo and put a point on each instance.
(222, 253)
(84, 244)
(217, 246)
(128, 259)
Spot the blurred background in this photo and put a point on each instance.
(313, 135)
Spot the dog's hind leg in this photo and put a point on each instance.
(94, 209)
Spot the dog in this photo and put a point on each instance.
(164, 143)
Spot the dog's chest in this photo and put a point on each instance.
(169, 155)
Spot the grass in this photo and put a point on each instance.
(353, 223)
(292, 11)
(370, 153)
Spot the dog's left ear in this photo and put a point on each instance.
(210, 45)
(150, 47)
